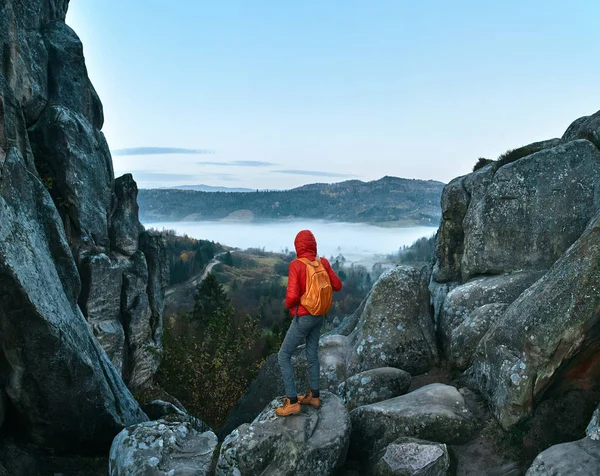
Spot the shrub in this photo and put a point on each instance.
(481, 162)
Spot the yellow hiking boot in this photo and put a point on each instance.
(308, 399)
(288, 408)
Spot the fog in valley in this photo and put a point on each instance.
(359, 242)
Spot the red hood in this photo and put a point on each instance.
(306, 245)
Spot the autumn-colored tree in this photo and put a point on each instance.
(209, 363)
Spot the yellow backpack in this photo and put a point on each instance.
(319, 295)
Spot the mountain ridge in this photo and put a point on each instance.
(386, 200)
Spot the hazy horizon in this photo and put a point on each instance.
(273, 95)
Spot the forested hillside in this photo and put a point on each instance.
(389, 199)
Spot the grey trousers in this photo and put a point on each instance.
(302, 327)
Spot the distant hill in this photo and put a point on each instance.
(390, 200)
(209, 188)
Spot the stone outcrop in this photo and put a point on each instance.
(396, 325)
(373, 386)
(412, 457)
(125, 227)
(547, 337)
(314, 442)
(435, 412)
(47, 347)
(162, 448)
(539, 214)
(74, 260)
(513, 282)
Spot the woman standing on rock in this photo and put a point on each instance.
(308, 297)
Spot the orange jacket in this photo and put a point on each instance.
(306, 247)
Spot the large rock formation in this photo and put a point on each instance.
(548, 338)
(74, 261)
(502, 302)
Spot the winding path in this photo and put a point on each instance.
(199, 277)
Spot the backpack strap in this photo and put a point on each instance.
(308, 262)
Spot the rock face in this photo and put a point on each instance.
(514, 280)
(314, 442)
(47, 347)
(162, 448)
(396, 325)
(62, 280)
(539, 214)
(373, 386)
(101, 303)
(125, 227)
(466, 311)
(547, 337)
(576, 457)
(411, 456)
(435, 412)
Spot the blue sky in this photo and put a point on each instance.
(275, 94)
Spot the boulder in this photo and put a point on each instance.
(395, 328)
(100, 302)
(546, 341)
(74, 162)
(125, 227)
(412, 457)
(162, 448)
(332, 357)
(435, 412)
(314, 442)
(373, 386)
(531, 205)
(466, 311)
(581, 457)
(587, 127)
(47, 346)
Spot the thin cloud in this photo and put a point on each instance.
(159, 176)
(313, 173)
(239, 163)
(159, 150)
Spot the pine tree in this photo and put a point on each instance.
(210, 297)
